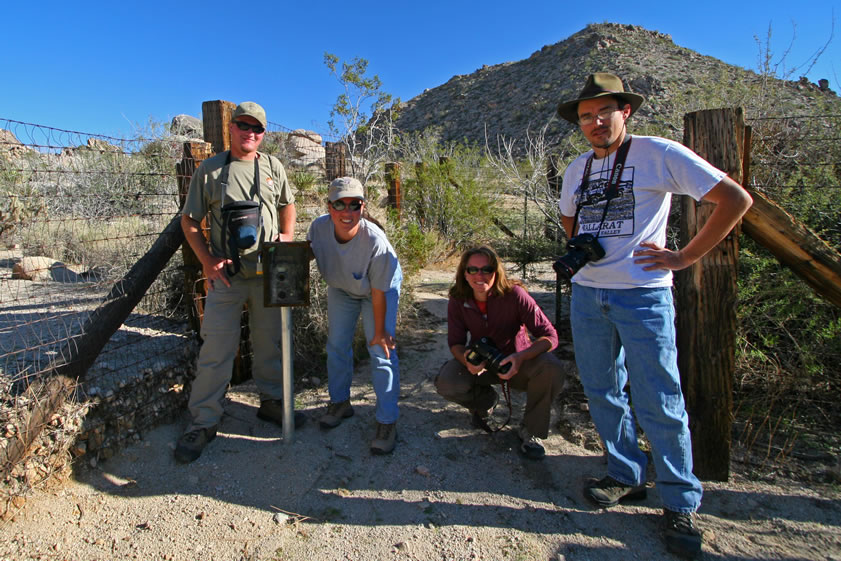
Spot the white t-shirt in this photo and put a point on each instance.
(366, 261)
(654, 169)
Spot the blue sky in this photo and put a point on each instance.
(111, 67)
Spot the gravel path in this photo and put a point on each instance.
(448, 492)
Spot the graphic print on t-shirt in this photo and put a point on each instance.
(593, 197)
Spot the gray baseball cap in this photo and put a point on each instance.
(250, 109)
(345, 187)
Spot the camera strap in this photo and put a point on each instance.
(230, 244)
(612, 184)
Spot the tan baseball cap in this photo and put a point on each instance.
(250, 109)
(345, 187)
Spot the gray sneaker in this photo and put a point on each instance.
(191, 444)
(385, 438)
(607, 492)
(336, 413)
(272, 410)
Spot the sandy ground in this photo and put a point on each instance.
(448, 492)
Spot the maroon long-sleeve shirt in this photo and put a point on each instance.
(509, 321)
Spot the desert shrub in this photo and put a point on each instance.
(790, 337)
(449, 190)
(414, 247)
(20, 202)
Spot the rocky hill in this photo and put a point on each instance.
(510, 98)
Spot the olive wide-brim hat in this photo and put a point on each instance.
(598, 85)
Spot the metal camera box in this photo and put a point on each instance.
(286, 273)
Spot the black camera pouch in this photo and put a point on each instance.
(242, 221)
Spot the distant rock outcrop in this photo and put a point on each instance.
(13, 148)
(306, 149)
(187, 126)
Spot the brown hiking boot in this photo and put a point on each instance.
(385, 438)
(607, 492)
(191, 444)
(272, 410)
(336, 413)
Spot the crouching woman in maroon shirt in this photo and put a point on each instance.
(485, 304)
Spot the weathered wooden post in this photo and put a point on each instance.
(194, 286)
(335, 160)
(421, 171)
(392, 179)
(216, 116)
(706, 301)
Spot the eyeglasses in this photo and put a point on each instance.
(487, 269)
(603, 115)
(341, 205)
(245, 127)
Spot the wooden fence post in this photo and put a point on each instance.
(194, 154)
(335, 160)
(392, 178)
(706, 301)
(216, 115)
(421, 171)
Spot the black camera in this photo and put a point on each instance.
(485, 350)
(581, 249)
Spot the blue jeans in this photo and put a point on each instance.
(629, 335)
(343, 312)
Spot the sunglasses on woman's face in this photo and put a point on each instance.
(245, 127)
(487, 269)
(339, 206)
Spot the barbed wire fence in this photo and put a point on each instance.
(78, 211)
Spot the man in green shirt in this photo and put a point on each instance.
(247, 200)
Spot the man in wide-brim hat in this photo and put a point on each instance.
(600, 84)
(621, 310)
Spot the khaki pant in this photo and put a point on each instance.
(220, 332)
(541, 378)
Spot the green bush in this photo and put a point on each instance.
(450, 194)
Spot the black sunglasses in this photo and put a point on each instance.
(245, 127)
(340, 205)
(487, 269)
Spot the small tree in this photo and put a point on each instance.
(363, 116)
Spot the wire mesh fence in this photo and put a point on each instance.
(788, 377)
(77, 213)
(80, 214)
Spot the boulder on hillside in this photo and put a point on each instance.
(305, 149)
(312, 135)
(40, 268)
(12, 147)
(33, 268)
(187, 126)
